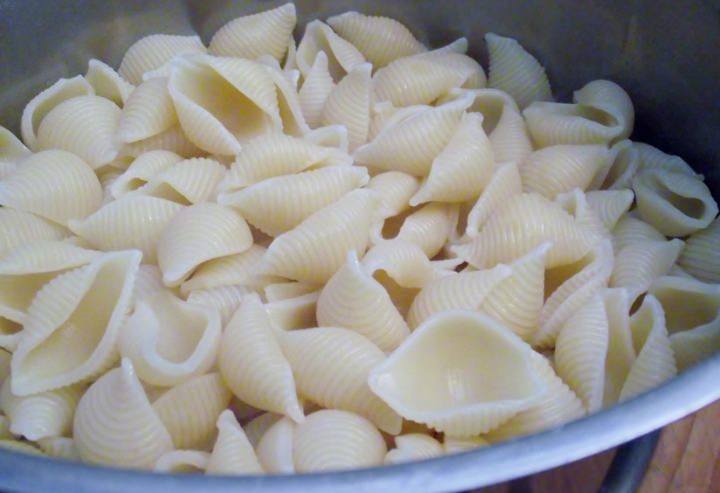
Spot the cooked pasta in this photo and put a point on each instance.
(27, 228)
(701, 257)
(348, 104)
(275, 448)
(232, 453)
(413, 446)
(148, 112)
(342, 55)
(107, 83)
(152, 52)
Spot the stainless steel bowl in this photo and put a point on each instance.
(663, 52)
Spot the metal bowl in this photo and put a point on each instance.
(663, 52)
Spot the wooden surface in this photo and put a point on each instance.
(687, 460)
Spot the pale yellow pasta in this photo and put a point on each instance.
(131, 222)
(187, 182)
(275, 448)
(676, 204)
(701, 257)
(381, 40)
(73, 323)
(435, 378)
(152, 52)
(394, 189)
(224, 299)
(453, 445)
(232, 453)
(228, 270)
(21, 447)
(189, 410)
(610, 205)
(169, 340)
(650, 157)
(197, 234)
(294, 313)
(621, 352)
(116, 425)
(429, 226)
(515, 71)
(333, 136)
(255, 428)
(148, 112)
(55, 185)
(384, 114)
(316, 88)
(625, 165)
(26, 228)
(287, 290)
(59, 447)
(630, 229)
(332, 439)
(258, 34)
(291, 116)
(6, 168)
(413, 446)
(182, 461)
(349, 103)
(504, 183)
(11, 149)
(142, 170)
(172, 139)
(147, 282)
(342, 55)
(107, 83)
(576, 204)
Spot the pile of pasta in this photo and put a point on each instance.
(255, 257)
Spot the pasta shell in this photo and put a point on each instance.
(189, 410)
(692, 314)
(629, 229)
(279, 204)
(59, 448)
(6, 168)
(147, 283)
(384, 114)
(454, 445)
(169, 340)
(621, 351)
(229, 270)
(342, 55)
(26, 228)
(639, 264)
(55, 185)
(349, 104)
(410, 145)
(294, 313)
(505, 183)
(116, 425)
(429, 227)
(187, 182)
(315, 90)
(515, 71)
(381, 40)
(304, 255)
(142, 170)
(73, 323)
(569, 287)
(465, 290)
(610, 98)
(701, 257)
(224, 299)
(576, 204)
(522, 223)
(21, 447)
(461, 348)
(275, 449)
(131, 222)
(354, 300)
(152, 52)
(655, 362)
(258, 34)
(558, 169)
(625, 165)
(463, 169)
(11, 149)
(509, 140)
(610, 205)
(394, 190)
(256, 428)
(412, 447)
(650, 158)
(331, 440)
(291, 116)
(172, 139)
(108, 83)
(182, 461)
(149, 111)
(85, 126)
(490, 103)
(674, 203)
(39, 106)
(232, 453)
(557, 406)
(287, 290)
(208, 94)
(331, 367)
(197, 234)
(47, 414)
(248, 343)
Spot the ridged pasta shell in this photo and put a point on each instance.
(11, 149)
(576, 204)
(639, 264)
(152, 52)
(655, 362)
(331, 440)
(256, 427)
(149, 111)
(59, 448)
(625, 165)
(459, 348)
(557, 406)
(287, 290)
(463, 169)
(116, 425)
(279, 204)
(291, 115)
(55, 185)
(609, 97)
(229, 270)
(142, 170)
(232, 453)
(674, 203)
(248, 344)
(294, 313)
(650, 157)
(454, 445)
(429, 227)
(692, 314)
(73, 323)
(172, 139)
(331, 367)
(384, 114)
(169, 340)
(26, 228)
(131, 222)
(275, 448)
(381, 40)
(305, 255)
(610, 205)
(629, 229)
(187, 182)
(522, 223)
(349, 104)
(147, 283)
(412, 447)
(562, 168)
(224, 299)
(83, 125)
(189, 410)
(182, 461)
(208, 94)
(505, 183)
(108, 83)
(264, 33)
(342, 55)
(621, 352)
(315, 90)
(465, 290)
(701, 257)
(197, 234)
(411, 144)
(354, 300)
(490, 103)
(46, 101)
(509, 140)
(515, 71)
(47, 414)
(6, 168)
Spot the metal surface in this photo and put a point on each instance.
(630, 464)
(663, 52)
